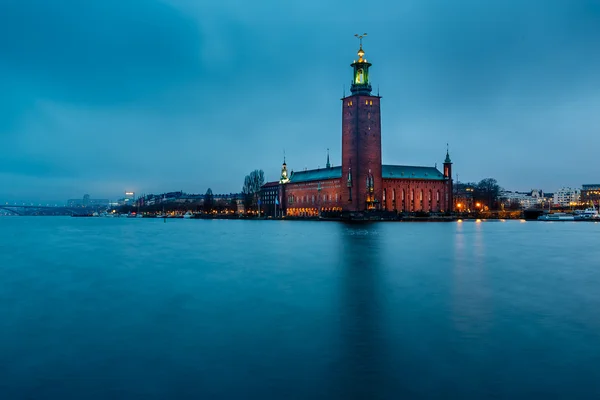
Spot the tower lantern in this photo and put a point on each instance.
(360, 81)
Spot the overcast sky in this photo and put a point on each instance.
(105, 96)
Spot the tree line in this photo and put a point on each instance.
(251, 188)
(486, 192)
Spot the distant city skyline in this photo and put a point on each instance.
(154, 96)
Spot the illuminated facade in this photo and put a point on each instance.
(590, 194)
(362, 183)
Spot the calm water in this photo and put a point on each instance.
(140, 309)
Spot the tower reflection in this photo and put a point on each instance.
(360, 367)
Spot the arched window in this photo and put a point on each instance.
(403, 199)
(430, 199)
(384, 202)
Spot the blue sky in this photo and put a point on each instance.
(100, 97)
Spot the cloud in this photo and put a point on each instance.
(181, 94)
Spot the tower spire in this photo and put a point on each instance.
(447, 160)
(328, 165)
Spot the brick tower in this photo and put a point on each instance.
(361, 141)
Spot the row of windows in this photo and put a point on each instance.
(312, 199)
(367, 103)
(412, 194)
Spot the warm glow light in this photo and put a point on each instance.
(478, 220)
(460, 220)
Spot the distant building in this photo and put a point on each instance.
(531, 199)
(590, 193)
(86, 201)
(464, 198)
(566, 197)
(269, 199)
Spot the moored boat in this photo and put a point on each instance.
(589, 214)
(557, 217)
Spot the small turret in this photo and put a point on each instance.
(447, 165)
(284, 175)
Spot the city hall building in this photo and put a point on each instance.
(363, 183)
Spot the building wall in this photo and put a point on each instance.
(361, 148)
(410, 195)
(566, 196)
(268, 197)
(304, 198)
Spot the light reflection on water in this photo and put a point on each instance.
(93, 308)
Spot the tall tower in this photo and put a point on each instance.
(361, 141)
(449, 206)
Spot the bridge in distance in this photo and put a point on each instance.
(46, 210)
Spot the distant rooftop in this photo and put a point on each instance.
(388, 172)
(411, 172)
(316, 174)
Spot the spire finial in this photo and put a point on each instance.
(360, 38)
(328, 165)
(284, 156)
(447, 160)
(361, 52)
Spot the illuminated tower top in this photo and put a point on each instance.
(284, 174)
(360, 81)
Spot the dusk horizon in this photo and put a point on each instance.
(161, 96)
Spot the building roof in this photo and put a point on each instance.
(388, 172)
(316, 175)
(411, 172)
(270, 184)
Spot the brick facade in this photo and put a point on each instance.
(361, 150)
(305, 198)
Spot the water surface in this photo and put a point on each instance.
(94, 308)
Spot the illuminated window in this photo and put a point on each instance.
(371, 103)
(366, 102)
